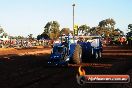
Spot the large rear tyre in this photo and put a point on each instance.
(77, 55)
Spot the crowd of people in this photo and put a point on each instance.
(23, 43)
(43, 42)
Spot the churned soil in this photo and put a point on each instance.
(32, 70)
(24, 51)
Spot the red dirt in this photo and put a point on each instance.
(32, 71)
(20, 52)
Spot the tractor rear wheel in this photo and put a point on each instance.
(77, 55)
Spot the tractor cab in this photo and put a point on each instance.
(58, 55)
(59, 49)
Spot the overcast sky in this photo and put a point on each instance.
(22, 17)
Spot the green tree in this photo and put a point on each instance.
(52, 30)
(55, 29)
(65, 31)
(103, 23)
(95, 31)
(107, 27)
(47, 27)
(118, 32)
(38, 37)
(30, 37)
(84, 29)
(3, 32)
(1, 29)
(19, 37)
(130, 27)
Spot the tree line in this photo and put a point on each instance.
(105, 28)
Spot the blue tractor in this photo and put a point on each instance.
(75, 49)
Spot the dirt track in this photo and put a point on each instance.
(33, 72)
(25, 51)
